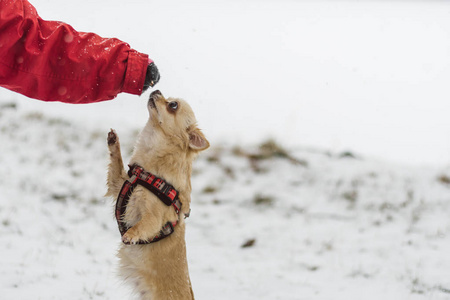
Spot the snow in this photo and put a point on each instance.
(350, 201)
(325, 225)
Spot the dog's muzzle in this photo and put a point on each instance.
(153, 96)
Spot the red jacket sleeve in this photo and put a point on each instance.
(49, 60)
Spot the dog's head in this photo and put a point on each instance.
(174, 119)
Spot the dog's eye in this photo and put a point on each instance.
(173, 106)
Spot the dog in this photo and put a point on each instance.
(166, 148)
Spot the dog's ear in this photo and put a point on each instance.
(197, 140)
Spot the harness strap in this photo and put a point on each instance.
(158, 186)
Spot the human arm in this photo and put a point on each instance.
(51, 61)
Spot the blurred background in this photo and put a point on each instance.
(364, 76)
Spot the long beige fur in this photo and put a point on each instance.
(166, 147)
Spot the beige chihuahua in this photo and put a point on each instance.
(166, 148)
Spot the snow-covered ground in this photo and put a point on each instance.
(321, 77)
(324, 225)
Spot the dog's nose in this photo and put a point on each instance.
(153, 97)
(155, 93)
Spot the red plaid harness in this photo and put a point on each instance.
(163, 190)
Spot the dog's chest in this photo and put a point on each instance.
(138, 205)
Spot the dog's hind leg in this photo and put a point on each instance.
(116, 172)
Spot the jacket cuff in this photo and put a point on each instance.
(135, 74)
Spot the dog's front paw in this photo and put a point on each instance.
(128, 240)
(131, 237)
(112, 137)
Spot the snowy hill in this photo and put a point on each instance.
(266, 223)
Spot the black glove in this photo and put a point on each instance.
(152, 76)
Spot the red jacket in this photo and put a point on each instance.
(49, 60)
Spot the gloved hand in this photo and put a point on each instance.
(152, 76)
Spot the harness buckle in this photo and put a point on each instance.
(177, 206)
(167, 229)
